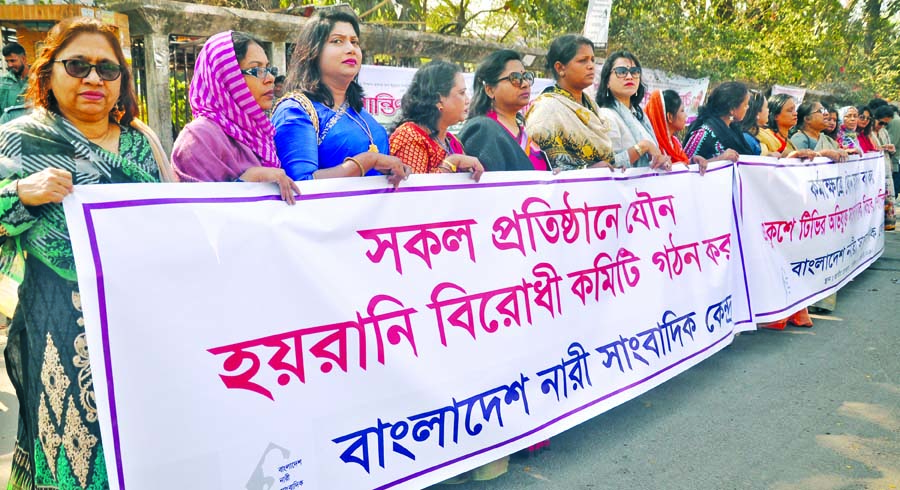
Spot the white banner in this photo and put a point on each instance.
(596, 22)
(691, 90)
(806, 230)
(369, 338)
(384, 87)
(798, 93)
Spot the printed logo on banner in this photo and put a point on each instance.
(278, 458)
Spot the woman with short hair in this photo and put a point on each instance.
(435, 100)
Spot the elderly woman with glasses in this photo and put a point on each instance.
(495, 130)
(83, 130)
(230, 138)
(619, 97)
(810, 132)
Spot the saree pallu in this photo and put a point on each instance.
(58, 444)
(415, 146)
(572, 135)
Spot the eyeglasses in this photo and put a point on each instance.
(880, 123)
(261, 72)
(822, 111)
(518, 78)
(863, 117)
(106, 70)
(622, 71)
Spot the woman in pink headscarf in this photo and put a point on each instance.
(230, 138)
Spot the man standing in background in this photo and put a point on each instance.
(15, 81)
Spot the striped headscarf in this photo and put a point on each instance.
(219, 92)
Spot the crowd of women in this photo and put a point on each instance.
(83, 130)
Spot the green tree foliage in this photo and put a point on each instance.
(848, 48)
(845, 47)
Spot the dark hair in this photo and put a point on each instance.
(304, 73)
(831, 110)
(280, 79)
(563, 49)
(605, 98)
(884, 111)
(876, 103)
(805, 110)
(242, 42)
(672, 101)
(749, 124)
(419, 103)
(13, 48)
(486, 75)
(776, 105)
(868, 129)
(126, 108)
(723, 99)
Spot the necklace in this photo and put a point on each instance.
(99, 141)
(364, 125)
(444, 144)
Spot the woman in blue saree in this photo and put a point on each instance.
(321, 128)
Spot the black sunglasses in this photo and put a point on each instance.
(106, 70)
(622, 71)
(261, 72)
(516, 78)
(882, 123)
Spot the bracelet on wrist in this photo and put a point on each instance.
(449, 166)
(362, 170)
(637, 149)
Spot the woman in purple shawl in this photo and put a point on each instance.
(230, 138)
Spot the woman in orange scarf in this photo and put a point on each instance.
(667, 116)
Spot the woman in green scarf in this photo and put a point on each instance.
(82, 131)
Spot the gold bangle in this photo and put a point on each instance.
(637, 149)
(449, 165)
(362, 170)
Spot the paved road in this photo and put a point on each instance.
(800, 409)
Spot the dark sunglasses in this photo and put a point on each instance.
(882, 123)
(106, 70)
(517, 78)
(622, 72)
(261, 72)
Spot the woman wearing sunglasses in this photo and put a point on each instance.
(563, 120)
(810, 136)
(435, 100)
(230, 138)
(864, 131)
(495, 130)
(82, 130)
(619, 97)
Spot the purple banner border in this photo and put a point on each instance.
(557, 419)
(88, 209)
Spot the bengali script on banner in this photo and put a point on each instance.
(367, 338)
(807, 229)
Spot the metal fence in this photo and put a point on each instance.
(183, 52)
